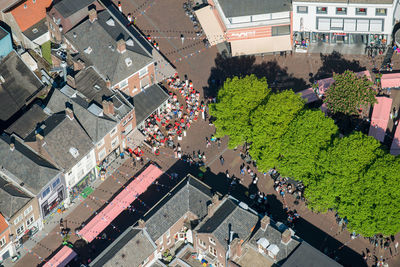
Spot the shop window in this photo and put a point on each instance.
(46, 192)
(322, 10)
(302, 9)
(3, 241)
(102, 153)
(30, 221)
(380, 12)
(361, 11)
(280, 30)
(28, 210)
(20, 229)
(341, 10)
(56, 182)
(212, 250)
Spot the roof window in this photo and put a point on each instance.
(88, 50)
(128, 61)
(110, 22)
(35, 30)
(74, 152)
(130, 42)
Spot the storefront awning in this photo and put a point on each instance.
(210, 25)
(261, 45)
(122, 201)
(380, 118)
(390, 80)
(62, 258)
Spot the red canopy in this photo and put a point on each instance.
(119, 203)
(380, 118)
(62, 258)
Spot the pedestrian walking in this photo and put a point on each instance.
(119, 6)
(221, 159)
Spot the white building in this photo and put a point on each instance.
(346, 22)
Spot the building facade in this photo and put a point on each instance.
(6, 248)
(348, 23)
(250, 27)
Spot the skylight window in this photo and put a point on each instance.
(74, 152)
(128, 61)
(88, 50)
(110, 22)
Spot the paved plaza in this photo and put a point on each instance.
(165, 21)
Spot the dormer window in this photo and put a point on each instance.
(128, 62)
(88, 50)
(25, 6)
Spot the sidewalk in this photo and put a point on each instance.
(51, 225)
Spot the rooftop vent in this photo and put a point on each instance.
(74, 34)
(74, 152)
(130, 42)
(88, 50)
(97, 87)
(128, 61)
(110, 22)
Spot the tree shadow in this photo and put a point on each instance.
(278, 78)
(335, 63)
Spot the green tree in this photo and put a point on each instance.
(270, 121)
(309, 133)
(235, 101)
(349, 93)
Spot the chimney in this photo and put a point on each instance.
(12, 146)
(264, 222)
(108, 83)
(121, 46)
(286, 236)
(71, 81)
(141, 224)
(92, 15)
(213, 206)
(69, 113)
(108, 107)
(236, 248)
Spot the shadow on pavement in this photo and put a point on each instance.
(335, 63)
(227, 67)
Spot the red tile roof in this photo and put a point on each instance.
(3, 224)
(34, 12)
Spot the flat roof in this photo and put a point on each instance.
(238, 8)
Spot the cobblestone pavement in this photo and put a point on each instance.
(166, 21)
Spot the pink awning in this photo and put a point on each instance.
(324, 84)
(62, 258)
(138, 186)
(390, 80)
(380, 118)
(395, 148)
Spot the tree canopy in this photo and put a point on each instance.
(349, 93)
(270, 121)
(306, 136)
(237, 98)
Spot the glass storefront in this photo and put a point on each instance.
(88, 179)
(49, 206)
(340, 38)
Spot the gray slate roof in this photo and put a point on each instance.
(104, 56)
(237, 8)
(60, 134)
(148, 101)
(27, 166)
(19, 86)
(41, 28)
(69, 7)
(28, 122)
(131, 248)
(96, 127)
(12, 199)
(306, 255)
(229, 213)
(189, 195)
(274, 236)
